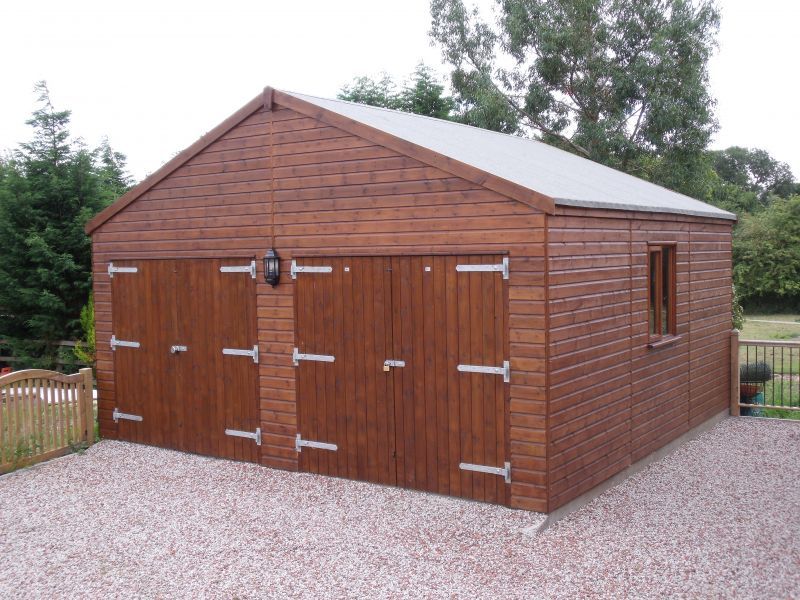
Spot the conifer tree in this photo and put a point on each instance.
(49, 188)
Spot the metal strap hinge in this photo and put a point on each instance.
(303, 269)
(297, 356)
(504, 471)
(505, 370)
(236, 352)
(115, 343)
(299, 442)
(117, 415)
(251, 268)
(501, 268)
(112, 269)
(246, 434)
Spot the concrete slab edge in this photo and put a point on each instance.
(601, 488)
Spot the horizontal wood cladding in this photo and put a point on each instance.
(338, 194)
(613, 400)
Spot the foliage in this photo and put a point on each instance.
(755, 171)
(365, 90)
(424, 95)
(421, 94)
(756, 372)
(766, 255)
(49, 188)
(85, 347)
(737, 312)
(611, 81)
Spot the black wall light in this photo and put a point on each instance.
(272, 267)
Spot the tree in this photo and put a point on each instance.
(49, 188)
(421, 94)
(755, 171)
(424, 95)
(365, 90)
(766, 256)
(609, 80)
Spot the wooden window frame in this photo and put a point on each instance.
(655, 336)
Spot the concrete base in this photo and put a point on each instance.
(586, 498)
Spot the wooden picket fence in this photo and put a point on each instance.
(43, 414)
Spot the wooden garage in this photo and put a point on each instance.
(456, 310)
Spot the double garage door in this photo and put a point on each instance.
(184, 337)
(401, 372)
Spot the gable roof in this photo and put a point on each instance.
(566, 178)
(526, 170)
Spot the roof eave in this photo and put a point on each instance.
(722, 215)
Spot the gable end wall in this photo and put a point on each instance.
(334, 194)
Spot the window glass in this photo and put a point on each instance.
(666, 289)
(654, 291)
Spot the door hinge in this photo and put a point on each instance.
(501, 268)
(117, 415)
(299, 442)
(122, 343)
(505, 471)
(505, 370)
(112, 269)
(251, 268)
(303, 269)
(246, 434)
(236, 352)
(297, 356)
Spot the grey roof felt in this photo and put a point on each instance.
(569, 179)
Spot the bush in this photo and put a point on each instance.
(757, 372)
(766, 256)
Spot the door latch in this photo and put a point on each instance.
(176, 349)
(389, 363)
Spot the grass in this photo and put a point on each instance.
(755, 330)
(785, 362)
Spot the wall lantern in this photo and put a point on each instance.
(272, 267)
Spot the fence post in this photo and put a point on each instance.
(735, 373)
(88, 404)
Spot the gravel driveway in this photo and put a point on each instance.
(720, 517)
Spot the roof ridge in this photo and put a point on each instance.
(411, 114)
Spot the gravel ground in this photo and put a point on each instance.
(720, 517)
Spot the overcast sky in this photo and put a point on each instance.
(155, 76)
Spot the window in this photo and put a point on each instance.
(662, 290)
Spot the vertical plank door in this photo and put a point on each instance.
(443, 318)
(346, 314)
(215, 391)
(144, 312)
(415, 423)
(481, 298)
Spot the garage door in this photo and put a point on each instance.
(400, 372)
(185, 365)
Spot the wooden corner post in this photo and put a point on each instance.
(88, 404)
(735, 373)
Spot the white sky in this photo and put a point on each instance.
(154, 76)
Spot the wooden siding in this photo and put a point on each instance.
(334, 194)
(613, 400)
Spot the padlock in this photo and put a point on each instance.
(386, 367)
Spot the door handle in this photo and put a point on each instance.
(176, 349)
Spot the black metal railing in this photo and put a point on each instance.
(769, 378)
